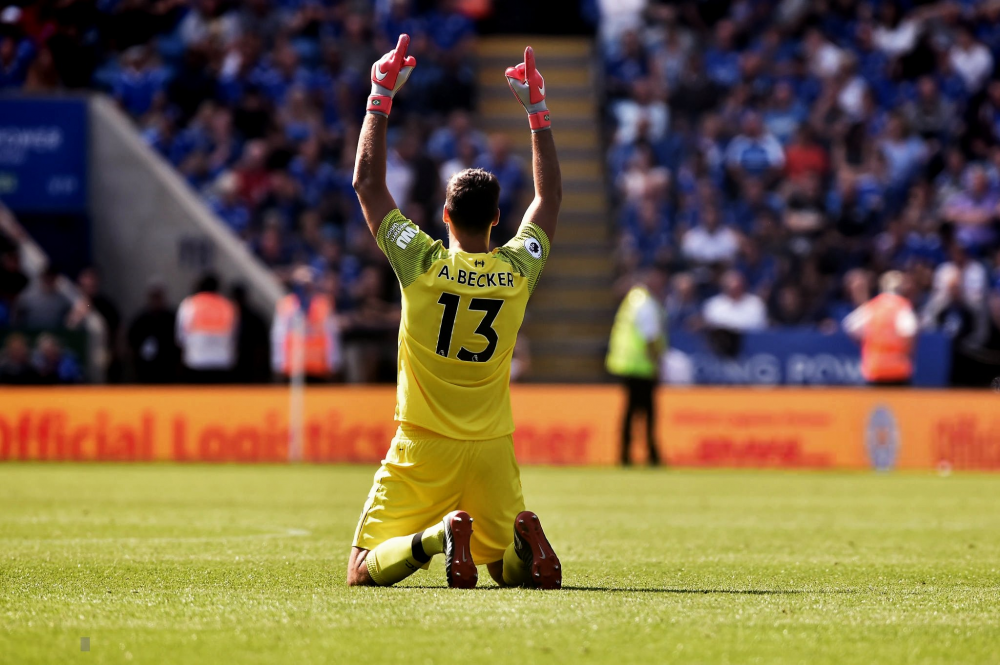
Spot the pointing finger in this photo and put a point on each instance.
(402, 45)
(529, 63)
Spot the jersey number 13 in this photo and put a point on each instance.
(490, 306)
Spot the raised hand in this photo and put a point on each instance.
(389, 74)
(528, 86)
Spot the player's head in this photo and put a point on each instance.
(208, 283)
(472, 201)
(891, 282)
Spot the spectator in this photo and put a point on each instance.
(972, 275)
(627, 66)
(643, 177)
(140, 81)
(722, 62)
(974, 210)
(208, 19)
(227, 205)
(930, 114)
(42, 306)
(16, 52)
(151, 339)
(972, 61)
(513, 182)
(734, 309)
(904, 152)
(466, 157)
(805, 213)
(760, 270)
(785, 114)
(641, 110)
(89, 283)
(15, 362)
(443, 142)
(790, 308)
(710, 242)
(949, 311)
(824, 58)
(647, 238)
(53, 364)
(682, 306)
(804, 155)
(851, 213)
(754, 152)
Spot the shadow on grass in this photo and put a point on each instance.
(602, 589)
(741, 592)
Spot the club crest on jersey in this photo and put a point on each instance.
(534, 247)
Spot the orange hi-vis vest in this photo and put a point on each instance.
(318, 341)
(886, 354)
(207, 331)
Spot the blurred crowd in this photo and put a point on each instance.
(258, 104)
(38, 317)
(776, 156)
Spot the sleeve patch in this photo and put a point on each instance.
(401, 233)
(534, 247)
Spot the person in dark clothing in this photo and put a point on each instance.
(151, 340)
(949, 313)
(15, 362)
(253, 361)
(54, 364)
(12, 280)
(89, 282)
(42, 306)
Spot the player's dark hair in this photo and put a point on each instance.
(472, 199)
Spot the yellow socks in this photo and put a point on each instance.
(398, 558)
(515, 571)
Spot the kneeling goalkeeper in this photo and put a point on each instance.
(452, 459)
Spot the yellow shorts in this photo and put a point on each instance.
(424, 477)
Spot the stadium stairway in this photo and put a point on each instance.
(569, 318)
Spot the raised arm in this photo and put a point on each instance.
(388, 76)
(528, 86)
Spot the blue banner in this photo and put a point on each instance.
(43, 155)
(801, 358)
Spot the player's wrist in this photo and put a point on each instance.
(379, 104)
(539, 121)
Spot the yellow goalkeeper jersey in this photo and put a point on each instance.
(461, 314)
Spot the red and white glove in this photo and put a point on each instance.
(529, 88)
(388, 76)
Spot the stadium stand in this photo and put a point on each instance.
(809, 147)
(799, 150)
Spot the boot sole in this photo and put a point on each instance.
(545, 571)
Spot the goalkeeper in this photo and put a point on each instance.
(452, 459)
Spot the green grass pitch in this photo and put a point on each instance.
(229, 564)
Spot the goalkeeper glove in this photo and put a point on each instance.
(388, 76)
(528, 86)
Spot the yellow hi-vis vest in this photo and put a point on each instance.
(627, 354)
